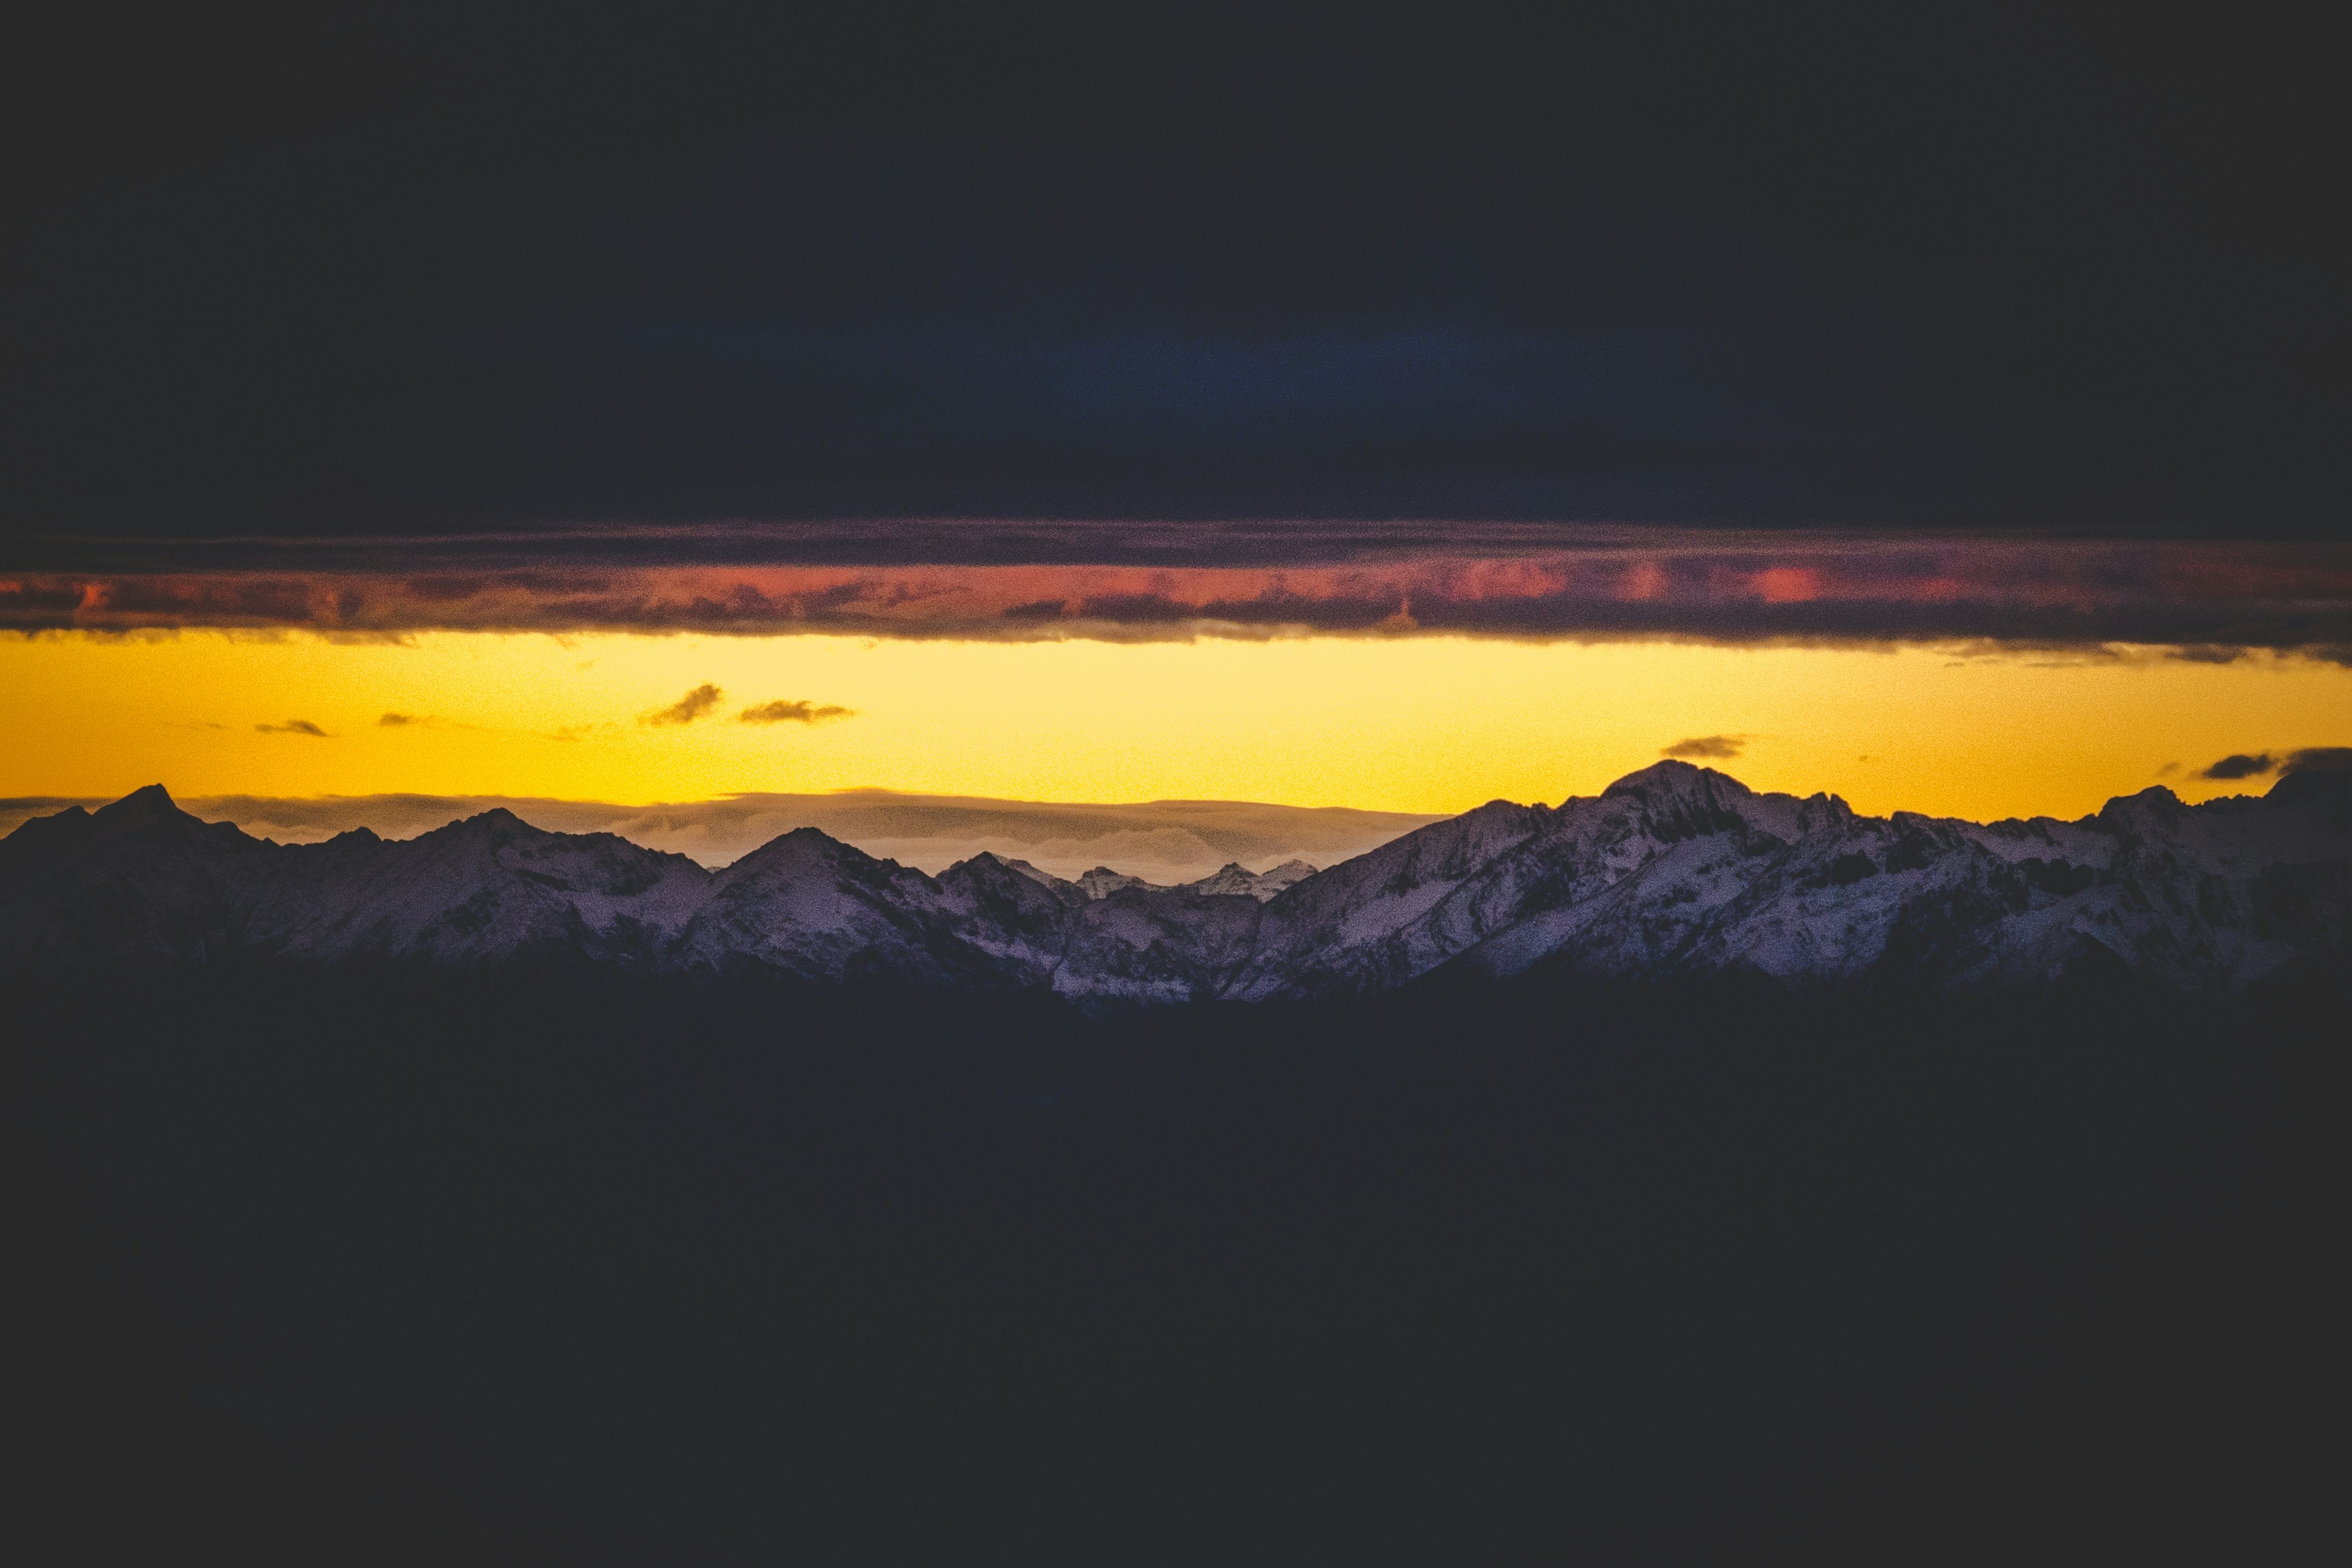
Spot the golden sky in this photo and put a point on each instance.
(1400, 722)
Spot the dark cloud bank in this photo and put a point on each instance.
(434, 272)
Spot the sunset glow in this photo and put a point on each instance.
(1398, 723)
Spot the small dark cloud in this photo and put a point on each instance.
(688, 708)
(292, 727)
(1707, 748)
(2167, 771)
(2237, 765)
(420, 721)
(2318, 759)
(783, 712)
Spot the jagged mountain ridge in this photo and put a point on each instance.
(1675, 870)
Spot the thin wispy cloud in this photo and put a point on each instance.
(293, 726)
(695, 705)
(783, 712)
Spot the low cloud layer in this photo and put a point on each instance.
(2206, 601)
(1164, 841)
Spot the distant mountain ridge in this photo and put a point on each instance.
(1167, 842)
(1672, 871)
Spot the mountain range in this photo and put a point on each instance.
(1672, 871)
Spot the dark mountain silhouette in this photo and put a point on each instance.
(1681, 1175)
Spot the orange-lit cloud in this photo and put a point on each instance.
(2207, 601)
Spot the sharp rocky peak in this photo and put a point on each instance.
(1679, 801)
(149, 816)
(787, 852)
(142, 808)
(498, 822)
(147, 799)
(1102, 882)
(988, 864)
(1682, 780)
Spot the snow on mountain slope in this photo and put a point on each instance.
(1673, 870)
(486, 889)
(1438, 893)
(1235, 877)
(1102, 882)
(1168, 944)
(810, 906)
(2191, 894)
(1340, 930)
(1012, 911)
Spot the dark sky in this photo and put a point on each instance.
(470, 267)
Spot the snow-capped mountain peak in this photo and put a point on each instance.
(1102, 882)
(1236, 878)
